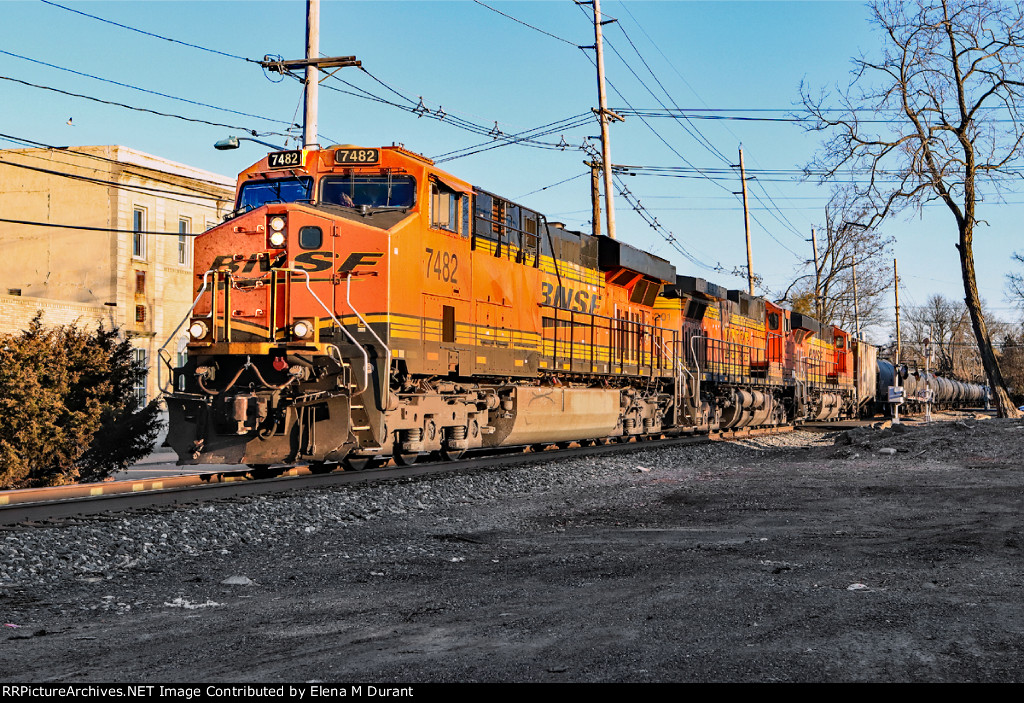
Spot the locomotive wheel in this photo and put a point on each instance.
(360, 462)
(405, 458)
(452, 454)
(262, 471)
(320, 467)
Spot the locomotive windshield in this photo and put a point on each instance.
(376, 191)
(284, 190)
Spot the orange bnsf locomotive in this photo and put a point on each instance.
(361, 304)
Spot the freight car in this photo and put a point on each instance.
(361, 304)
(920, 386)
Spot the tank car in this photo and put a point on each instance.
(920, 387)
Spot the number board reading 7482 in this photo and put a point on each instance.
(357, 156)
(284, 159)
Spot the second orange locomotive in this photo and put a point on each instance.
(362, 304)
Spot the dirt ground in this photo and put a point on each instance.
(775, 560)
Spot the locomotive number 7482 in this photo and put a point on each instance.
(442, 264)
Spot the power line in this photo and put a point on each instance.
(98, 157)
(521, 138)
(98, 229)
(146, 90)
(141, 109)
(525, 24)
(571, 178)
(124, 186)
(783, 219)
(699, 136)
(149, 34)
(498, 137)
(716, 114)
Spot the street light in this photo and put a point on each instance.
(233, 143)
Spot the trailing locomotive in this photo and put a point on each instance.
(361, 304)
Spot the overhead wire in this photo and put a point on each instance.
(498, 137)
(526, 24)
(149, 34)
(247, 130)
(146, 90)
(360, 92)
(692, 130)
(781, 217)
(291, 125)
(674, 242)
(547, 187)
(145, 190)
(32, 223)
(98, 157)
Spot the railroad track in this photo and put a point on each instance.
(45, 506)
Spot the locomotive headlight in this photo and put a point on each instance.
(198, 329)
(302, 329)
(275, 232)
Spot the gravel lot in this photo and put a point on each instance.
(799, 557)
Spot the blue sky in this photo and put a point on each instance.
(480, 67)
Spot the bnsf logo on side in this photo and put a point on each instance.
(568, 299)
(310, 261)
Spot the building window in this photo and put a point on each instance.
(140, 314)
(182, 359)
(184, 243)
(140, 359)
(140, 283)
(139, 233)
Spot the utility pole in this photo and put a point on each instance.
(310, 136)
(312, 65)
(746, 227)
(856, 306)
(896, 366)
(896, 286)
(817, 277)
(927, 377)
(604, 114)
(595, 195)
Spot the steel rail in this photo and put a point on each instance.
(41, 505)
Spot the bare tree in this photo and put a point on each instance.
(1013, 361)
(846, 249)
(1015, 281)
(947, 324)
(945, 120)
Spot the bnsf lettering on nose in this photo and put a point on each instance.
(310, 261)
(568, 298)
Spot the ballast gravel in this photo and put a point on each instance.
(792, 557)
(102, 547)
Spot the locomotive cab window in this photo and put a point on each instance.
(445, 208)
(283, 190)
(373, 191)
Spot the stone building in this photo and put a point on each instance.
(103, 234)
